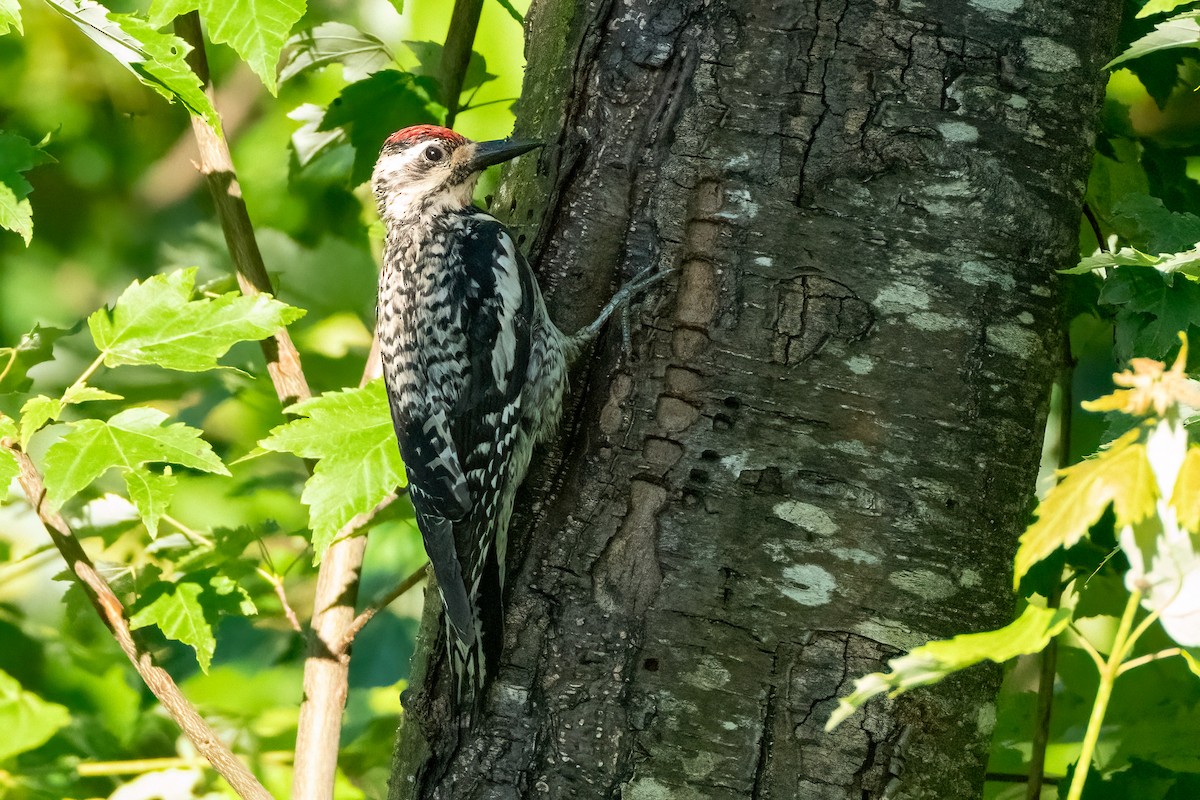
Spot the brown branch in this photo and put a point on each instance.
(283, 360)
(456, 53)
(326, 671)
(112, 612)
(379, 604)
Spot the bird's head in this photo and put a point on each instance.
(428, 169)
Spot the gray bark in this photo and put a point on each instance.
(825, 444)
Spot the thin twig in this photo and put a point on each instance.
(1088, 647)
(276, 582)
(112, 612)
(1090, 216)
(379, 604)
(283, 360)
(1134, 663)
(456, 54)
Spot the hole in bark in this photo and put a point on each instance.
(520, 240)
(951, 502)
(710, 455)
(699, 475)
(722, 422)
(487, 201)
(650, 665)
(732, 402)
(513, 205)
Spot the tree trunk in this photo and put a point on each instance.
(824, 445)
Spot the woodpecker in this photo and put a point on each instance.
(474, 367)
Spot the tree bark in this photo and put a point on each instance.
(824, 445)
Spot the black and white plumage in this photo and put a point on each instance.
(475, 370)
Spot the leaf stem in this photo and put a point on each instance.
(1134, 663)
(12, 359)
(1089, 648)
(1122, 644)
(87, 373)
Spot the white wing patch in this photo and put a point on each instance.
(508, 290)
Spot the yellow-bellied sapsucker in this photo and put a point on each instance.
(475, 370)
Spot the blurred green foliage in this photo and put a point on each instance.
(105, 166)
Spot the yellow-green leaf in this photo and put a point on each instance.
(358, 461)
(1029, 633)
(156, 322)
(1120, 476)
(27, 720)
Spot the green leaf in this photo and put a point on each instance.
(1119, 476)
(36, 412)
(1185, 497)
(10, 16)
(27, 720)
(358, 461)
(40, 410)
(256, 29)
(16, 215)
(1161, 7)
(360, 54)
(151, 494)
(157, 59)
(156, 322)
(177, 611)
(373, 108)
(163, 11)
(429, 54)
(1180, 31)
(17, 155)
(35, 347)
(129, 440)
(1148, 225)
(1170, 304)
(9, 468)
(189, 609)
(930, 663)
(1125, 257)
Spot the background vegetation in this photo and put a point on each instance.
(115, 198)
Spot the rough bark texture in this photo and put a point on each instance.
(825, 444)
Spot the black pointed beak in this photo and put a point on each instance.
(485, 154)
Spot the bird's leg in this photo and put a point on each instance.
(619, 302)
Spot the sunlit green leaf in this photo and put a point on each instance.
(36, 412)
(932, 662)
(27, 720)
(1119, 476)
(151, 494)
(16, 215)
(1162, 7)
(156, 322)
(360, 54)
(129, 440)
(189, 609)
(1180, 31)
(163, 11)
(10, 16)
(9, 468)
(358, 461)
(40, 410)
(256, 29)
(157, 59)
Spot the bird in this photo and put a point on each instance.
(475, 370)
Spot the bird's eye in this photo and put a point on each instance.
(434, 153)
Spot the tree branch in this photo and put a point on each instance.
(379, 604)
(112, 612)
(456, 53)
(283, 360)
(326, 672)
